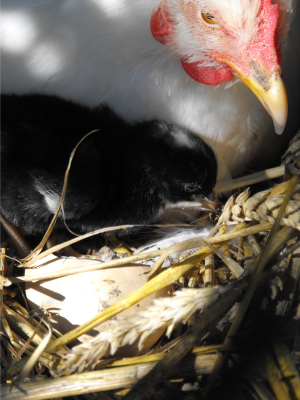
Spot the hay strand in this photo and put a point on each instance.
(248, 180)
(263, 259)
(203, 325)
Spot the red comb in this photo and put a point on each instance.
(160, 25)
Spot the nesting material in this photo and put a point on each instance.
(219, 270)
(262, 207)
(164, 313)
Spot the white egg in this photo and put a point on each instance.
(78, 298)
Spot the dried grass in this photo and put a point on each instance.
(164, 313)
(262, 207)
(220, 285)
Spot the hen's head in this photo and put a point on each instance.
(219, 39)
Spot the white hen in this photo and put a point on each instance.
(96, 51)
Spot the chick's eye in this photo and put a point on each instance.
(192, 188)
(208, 20)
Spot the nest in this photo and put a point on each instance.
(231, 326)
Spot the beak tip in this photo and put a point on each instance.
(278, 128)
(273, 98)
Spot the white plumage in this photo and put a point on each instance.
(96, 51)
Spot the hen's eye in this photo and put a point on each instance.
(208, 20)
(192, 188)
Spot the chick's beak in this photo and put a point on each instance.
(269, 88)
(209, 203)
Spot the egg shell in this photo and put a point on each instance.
(80, 297)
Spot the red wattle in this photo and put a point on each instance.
(160, 26)
(207, 75)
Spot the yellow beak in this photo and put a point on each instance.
(270, 91)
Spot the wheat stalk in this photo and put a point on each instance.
(163, 313)
(262, 207)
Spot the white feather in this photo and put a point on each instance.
(168, 236)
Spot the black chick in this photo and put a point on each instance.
(122, 174)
